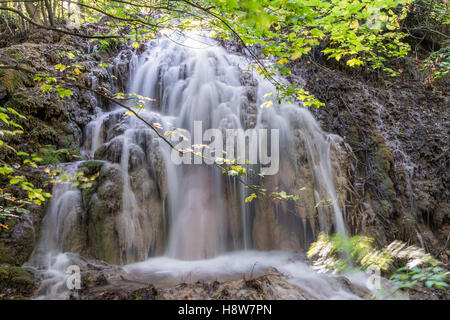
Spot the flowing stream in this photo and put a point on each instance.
(144, 211)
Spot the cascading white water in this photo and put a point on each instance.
(207, 85)
(193, 212)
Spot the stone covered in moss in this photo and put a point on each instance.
(15, 283)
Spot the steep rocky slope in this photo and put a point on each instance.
(50, 121)
(399, 132)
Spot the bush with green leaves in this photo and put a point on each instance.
(338, 253)
(430, 277)
(51, 155)
(437, 65)
(11, 206)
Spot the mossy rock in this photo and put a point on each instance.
(91, 167)
(16, 242)
(15, 281)
(353, 137)
(382, 207)
(18, 251)
(5, 249)
(384, 158)
(12, 79)
(5, 254)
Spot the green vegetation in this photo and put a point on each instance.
(34, 195)
(356, 33)
(407, 266)
(406, 277)
(368, 36)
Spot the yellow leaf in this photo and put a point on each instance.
(130, 113)
(77, 71)
(3, 226)
(283, 61)
(354, 25)
(296, 55)
(95, 176)
(354, 62)
(250, 197)
(267, 104)
(259, 70)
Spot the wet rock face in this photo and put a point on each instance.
(399, 133)
(122, 68)
(293, 225)
(123, 214)
(93, 220)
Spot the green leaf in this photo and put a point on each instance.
(14, 181)
(46, 87)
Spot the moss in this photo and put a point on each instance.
(384, 158)
(19, 297)
(12, 79)
(5, 250)
(382, 207)
(15, 250)
(386, 184)
(100, 151)
(91, 167)
(353, 137)
(5, 254)
(15, 280)
(101, 231)
(18, 252)
(101, 227)
(383, 161)
(69, 141)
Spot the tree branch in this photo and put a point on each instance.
(20, 14)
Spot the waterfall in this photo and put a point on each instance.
(143, 205)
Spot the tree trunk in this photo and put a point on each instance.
(82, 11)
(44, 14)
(61, 11)
(34, 11)
(55, 9)
(69, 13)
(22, 23)
(50, 12)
